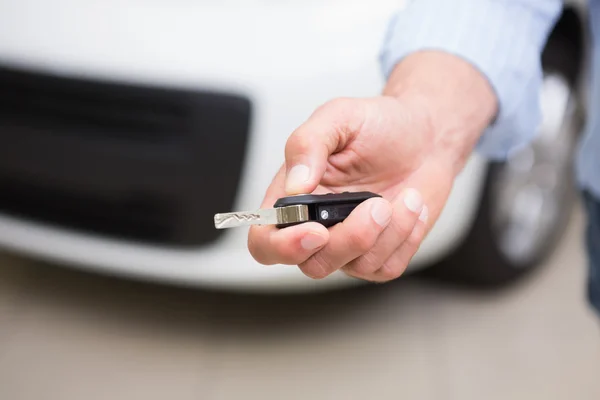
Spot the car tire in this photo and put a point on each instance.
(485, 259)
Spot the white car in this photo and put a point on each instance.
(126, 125)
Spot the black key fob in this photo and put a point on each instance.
(326, 209)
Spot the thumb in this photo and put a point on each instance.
(327, 131)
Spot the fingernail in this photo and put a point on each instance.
(381, 212)
(312, 241)
(413, 200)
(298, 175)
(424, 214)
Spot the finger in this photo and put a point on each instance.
(350, 239)
(308, 148)
(396, 265)
(406, 210)
(289, 246)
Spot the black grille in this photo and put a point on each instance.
(99, 109)
(145, 218)
(126, 161)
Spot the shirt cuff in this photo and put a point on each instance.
(504, 40)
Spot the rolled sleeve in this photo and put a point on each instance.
(503, 39)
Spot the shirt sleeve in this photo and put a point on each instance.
(503, 39)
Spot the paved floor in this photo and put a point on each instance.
(66, 335)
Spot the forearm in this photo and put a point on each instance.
(456, 99)
(469, 42)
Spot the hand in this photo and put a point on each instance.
(393, 145)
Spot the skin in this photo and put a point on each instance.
(408, 145)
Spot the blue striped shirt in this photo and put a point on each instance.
(504, 39)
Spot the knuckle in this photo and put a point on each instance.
(360, 242)
(316, 267)
(404, 224)
(345, 111)
(365, 265)
(390, 273)
(297, 143)
(414, 241)
(351, 271)
(404, 231)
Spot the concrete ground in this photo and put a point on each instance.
(68, 335)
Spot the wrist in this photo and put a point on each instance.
(455, 98)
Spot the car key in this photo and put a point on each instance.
(326, 209)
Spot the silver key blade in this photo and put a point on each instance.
(270, 216)
(246, 218)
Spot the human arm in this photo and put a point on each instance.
(443, 92)
(502, 39)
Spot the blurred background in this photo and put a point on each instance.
(126, 125)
